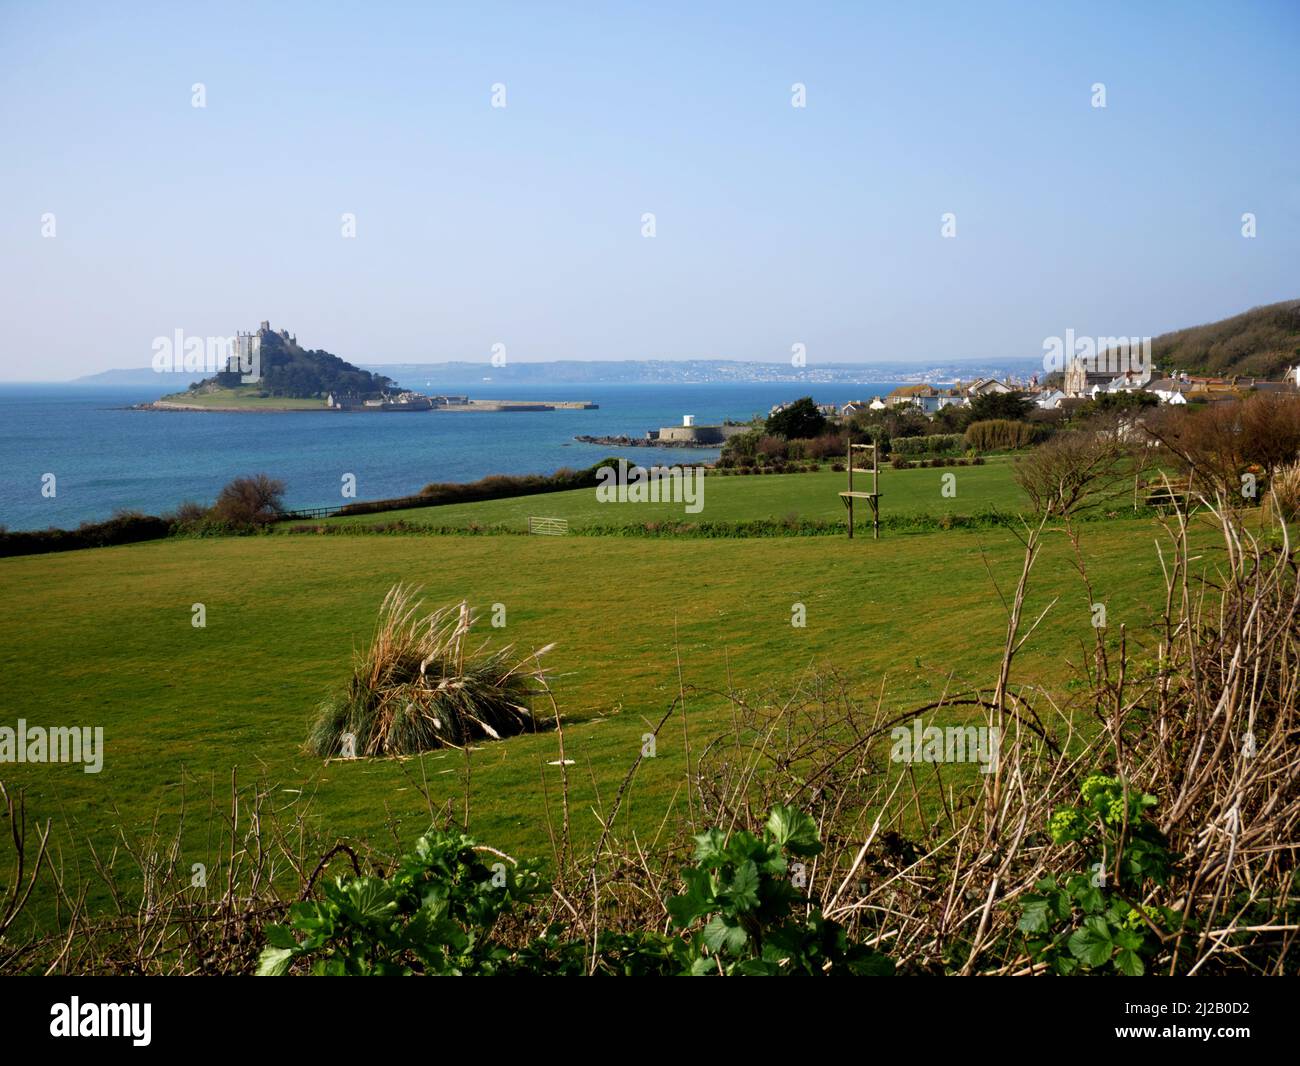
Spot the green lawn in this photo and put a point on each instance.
(738, 498)
(103, 637)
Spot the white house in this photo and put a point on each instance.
(983, 386)
(854, 406)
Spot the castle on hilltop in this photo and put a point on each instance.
(248, 346)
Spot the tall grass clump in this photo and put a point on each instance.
(1284, 492)
(417, 687)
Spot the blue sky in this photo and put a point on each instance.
(522, 225)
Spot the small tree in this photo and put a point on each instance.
(797, 421)
(249, 502)
(1012, 406)
(1073, 471)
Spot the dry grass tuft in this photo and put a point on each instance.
(418, 688)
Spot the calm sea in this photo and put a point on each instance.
(106, 457)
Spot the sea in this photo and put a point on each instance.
(106, 457)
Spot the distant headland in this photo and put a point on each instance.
(268, 370)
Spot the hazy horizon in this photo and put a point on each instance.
(128, 213)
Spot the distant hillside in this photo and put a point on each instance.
(144, 376)
(289, 370)
(1262, 342)
(461, 375)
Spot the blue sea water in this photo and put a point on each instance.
(106, 457)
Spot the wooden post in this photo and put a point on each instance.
(875, 490)
(849, 497)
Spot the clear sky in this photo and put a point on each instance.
(522, 225)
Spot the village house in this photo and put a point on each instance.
(854, 406)
(984, 386)
(1169, 390)
(928, 398)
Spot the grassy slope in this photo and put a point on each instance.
(738, 498)
(221, 399)
(103, 637)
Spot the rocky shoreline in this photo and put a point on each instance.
(643, 442)
(164, 405)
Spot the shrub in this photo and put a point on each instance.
(934, 444)
(827, 446)
(742, 444)
(417, 688)
(1001, 434)
(125, 527)
(249, 502)
(188, 515)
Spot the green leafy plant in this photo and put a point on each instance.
(749, 920)
(438, 911)
(433, 915)
(1094, 921)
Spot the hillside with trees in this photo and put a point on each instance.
(289, 370)
(1262, 342)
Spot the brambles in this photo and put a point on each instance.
(747, 913)
(433, 915)
(439, 913)
(416, 687)
(1095, 920)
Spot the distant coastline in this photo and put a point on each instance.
(271, 407)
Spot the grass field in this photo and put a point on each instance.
(739, 498)
(104, 637)
(243, 399)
